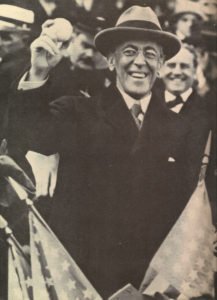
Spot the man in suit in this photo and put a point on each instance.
(128, 165)
(179, 76)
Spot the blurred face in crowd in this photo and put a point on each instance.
(209, 8)
(83, 54)
(185, 24)
(10, 42)
(136, 64)
(178, 73)
(171, 4)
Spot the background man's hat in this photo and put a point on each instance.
(15, 18)
(136, 22)
(188, 7)
(87, 23)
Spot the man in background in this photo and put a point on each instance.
(179, 77)
(15, 33)
(187, 19)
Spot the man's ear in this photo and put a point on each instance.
(111, 64)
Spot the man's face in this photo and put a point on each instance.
(136, 63)
(10, 42)
(178, 73)
(83, 54)
(171, 4)
(185, 24)
(209, 8)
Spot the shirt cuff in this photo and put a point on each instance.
(29, 85)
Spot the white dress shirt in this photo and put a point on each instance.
(144, 102)
(29, 84)
(170, 97)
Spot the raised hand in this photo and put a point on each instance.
(46, 50)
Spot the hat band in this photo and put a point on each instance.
(15, 22)
(140, 24)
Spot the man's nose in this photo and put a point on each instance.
(139, 59)
(177, 70)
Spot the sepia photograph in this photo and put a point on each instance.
(108, 161)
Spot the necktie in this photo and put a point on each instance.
(137, 114)
(176, 101)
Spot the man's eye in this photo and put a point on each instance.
(129, 52)
(185, 66)
(150, 54)
(171, 65)
(185, 20)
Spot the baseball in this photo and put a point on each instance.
(63, 29)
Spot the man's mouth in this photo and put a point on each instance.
(183, 78)
(138, 75)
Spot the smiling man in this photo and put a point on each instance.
(179, 77)
(125, 172)
(136, 64)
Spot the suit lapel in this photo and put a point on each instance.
(144, 137)
(188, 104)
(118, 115)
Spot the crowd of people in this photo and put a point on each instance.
(69, 117)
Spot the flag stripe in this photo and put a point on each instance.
(22, 268)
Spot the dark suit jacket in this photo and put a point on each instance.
(119, 190)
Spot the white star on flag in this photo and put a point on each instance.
(28, 282)
(65, 266)
(71, 285)
(49, 281)
(87, 294)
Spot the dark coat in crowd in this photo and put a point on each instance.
(119, 190)
(208, 104)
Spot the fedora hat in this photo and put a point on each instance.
(137, 22)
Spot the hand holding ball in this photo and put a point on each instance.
(59, 29)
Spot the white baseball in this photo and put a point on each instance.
(63, 29)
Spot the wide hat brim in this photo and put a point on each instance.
(107, 39)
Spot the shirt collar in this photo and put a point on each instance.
(144, 102)
(170, 97)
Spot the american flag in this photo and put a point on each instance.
(55, 274)
(184, 265)
(19, 273)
